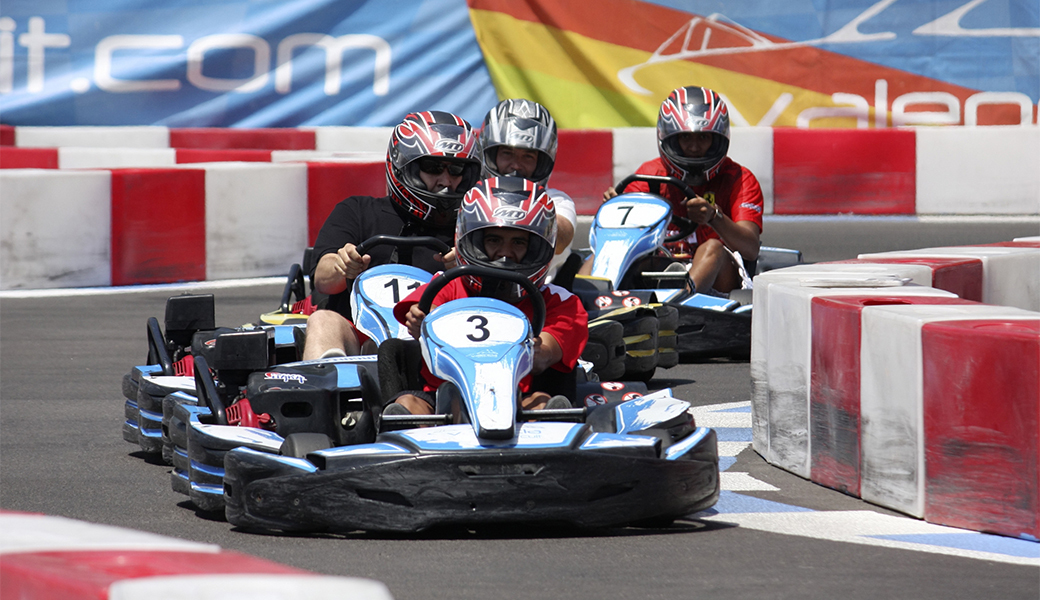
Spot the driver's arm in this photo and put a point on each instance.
(335, 268)
(740, 236)
(547, 352)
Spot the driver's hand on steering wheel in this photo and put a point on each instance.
(610, 193)
(413, 320)
(447, 259)
(700, 211)
(351, 263)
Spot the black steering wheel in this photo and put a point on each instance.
(686, 226)
(395, 240)
(438, 283)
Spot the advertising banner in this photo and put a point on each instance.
(827, 63)
(237, 63)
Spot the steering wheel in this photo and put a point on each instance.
(395, 240)
(438, 283)
(686, 226)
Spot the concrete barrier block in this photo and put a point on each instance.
(115, 158)
(256, 218)
(13, 157)
(831, 171)
(329, 183)
(961, 276)
(230, 138)
(978, 170)
(55, 228)
(752, 147)
(632, 147)
(93, 137)
(891, 401)
(158, 226)
(353, 139)
(327, 156)
(981, 397)
(1011, 275)
(202, 155)
(834, 386)
(584, 167)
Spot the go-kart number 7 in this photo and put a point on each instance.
(624, 215)
(468, 328)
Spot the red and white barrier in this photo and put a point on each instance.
(906, 396)
(902, 171)
(54, 558)
(85, 228)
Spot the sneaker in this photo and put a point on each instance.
(557, 403)
(395, 409)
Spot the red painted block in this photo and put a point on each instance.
(64, 575)
(12, 157)
(834, 385)
(584, 166)
(198, 155)
(329, 183)
(260, 139)
(830, 171)
(6, 135)
(982, 425)
(961, 276)
(158, 225)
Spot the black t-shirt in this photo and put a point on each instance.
(359, 218)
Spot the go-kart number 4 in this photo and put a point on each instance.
(388, 290)
(624, 215)
(471, 328)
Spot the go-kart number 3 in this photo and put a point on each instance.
(469, 328)
(630, 215)
(387, 290)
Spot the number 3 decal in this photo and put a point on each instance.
(481, 326)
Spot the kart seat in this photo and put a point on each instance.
(399, 363)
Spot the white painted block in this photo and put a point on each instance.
(55, 228)
(891, 398)
(1010, 275)
(633, 146)
(115, 158)
(978, 170)
(752, 147)
(92, 137)
(353, 139)
(326, 156)
(256, 218)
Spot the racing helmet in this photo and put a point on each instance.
(692, 109)
(519, 123)
(436, 134)
(506, 202)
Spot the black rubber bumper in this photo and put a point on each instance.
(590, 489)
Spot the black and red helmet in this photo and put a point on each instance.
(434, 134)
(519, 123)
(692, 109)
(506, 202)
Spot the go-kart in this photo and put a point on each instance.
(191, 332)
(634, 270)
(479, 459)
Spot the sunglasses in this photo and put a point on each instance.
(436, 167)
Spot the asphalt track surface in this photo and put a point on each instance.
(773, 535)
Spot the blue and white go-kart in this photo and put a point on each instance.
(633, 267)
(480, 458)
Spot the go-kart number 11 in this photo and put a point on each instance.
(624, 215)
(388, 290)
(471, 328)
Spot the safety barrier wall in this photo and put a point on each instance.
(901, 171)
(873, 377)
